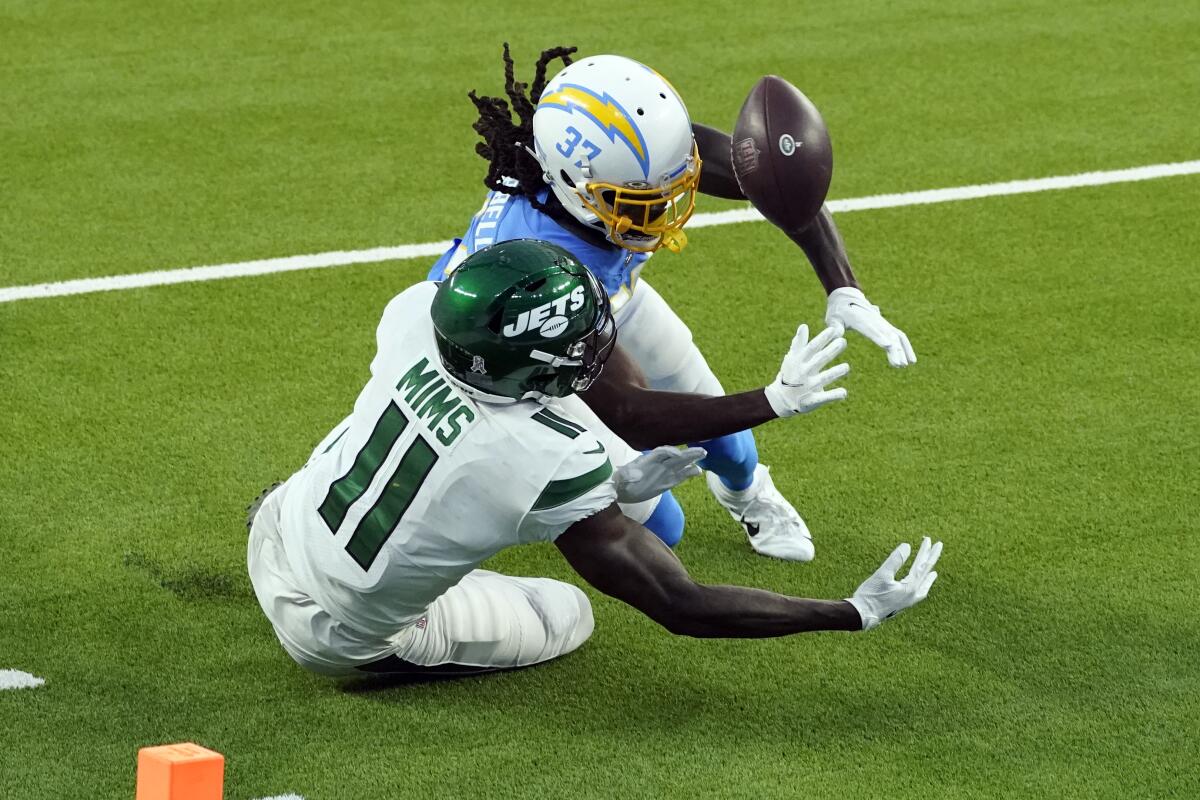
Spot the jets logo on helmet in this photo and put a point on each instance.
(540, 318)
(615, 143)
(537, 316)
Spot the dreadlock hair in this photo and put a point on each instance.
(504, 141)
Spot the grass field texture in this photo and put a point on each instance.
(1047, 434)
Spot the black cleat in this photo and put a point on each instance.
(252, 509)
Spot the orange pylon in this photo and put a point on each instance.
(183, 771)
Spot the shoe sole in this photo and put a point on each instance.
(252, 509)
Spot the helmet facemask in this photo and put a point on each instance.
(641, 217)
(588, 353)
(615, 143)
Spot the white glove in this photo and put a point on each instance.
(800, 385)
(653, 473)
(851, 308)
(881, 596)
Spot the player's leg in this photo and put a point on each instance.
(662, 345)
(485, 622)
(493, 621)
(307, 633)
(666, 521)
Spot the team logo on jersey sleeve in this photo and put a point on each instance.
(478, 366)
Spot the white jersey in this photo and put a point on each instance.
(420, 484)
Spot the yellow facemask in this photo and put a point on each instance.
(654, 215)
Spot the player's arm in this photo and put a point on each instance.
(717, 178)
(624, 560)
(822, 245)
(646, 418)
(820, 241)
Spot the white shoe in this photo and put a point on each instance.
(772, 525)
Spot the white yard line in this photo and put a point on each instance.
(432, 249)
(283, 797)
(16, 679)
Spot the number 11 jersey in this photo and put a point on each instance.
(421, 483)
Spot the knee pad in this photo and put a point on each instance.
(565, 611)
(733, 458)
(586, 623)
(667, 521)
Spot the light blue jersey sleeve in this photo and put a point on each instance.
(504, 217)
(480, 233)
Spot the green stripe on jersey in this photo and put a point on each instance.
(563, 420)
(346, 490)
(557, 423)
(335, 441)
(558, 493)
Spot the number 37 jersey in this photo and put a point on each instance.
(506, 216)
(421, 483)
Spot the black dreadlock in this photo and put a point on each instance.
(504, 141)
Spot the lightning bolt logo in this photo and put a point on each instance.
(606, 112)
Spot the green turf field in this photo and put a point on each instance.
(1048, 434)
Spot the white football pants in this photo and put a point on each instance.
(661, 344)
(486, 620)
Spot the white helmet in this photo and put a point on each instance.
(615, 143)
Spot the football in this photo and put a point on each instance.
(782, 156)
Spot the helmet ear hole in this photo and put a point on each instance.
(533, 286)
(562, 173)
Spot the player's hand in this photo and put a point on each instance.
(800, 385)
(851, 308)
(653, 473)
(882, 596)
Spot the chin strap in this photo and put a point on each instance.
(674, 240)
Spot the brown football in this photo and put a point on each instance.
(781, 153)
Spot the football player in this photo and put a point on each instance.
(469, 437)
(604, 160)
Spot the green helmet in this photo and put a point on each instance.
(523, 319)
